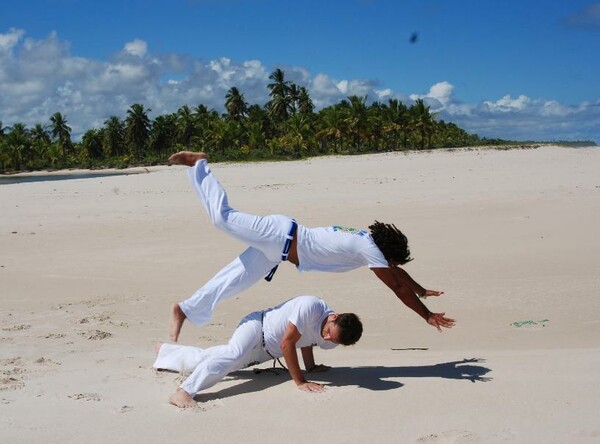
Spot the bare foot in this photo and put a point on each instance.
(182, 400)
(177, 318)
(188, 158)
(157, 347)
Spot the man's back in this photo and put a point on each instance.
(307, 313)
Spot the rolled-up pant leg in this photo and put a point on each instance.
(213, 364)
(247, 269)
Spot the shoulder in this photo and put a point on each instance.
(311, 304)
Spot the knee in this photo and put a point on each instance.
(220, 218)
(235, 352)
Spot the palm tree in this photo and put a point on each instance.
(357, 119)
(186, 126)
(39, 133)
(396, 122)
(114, 137)
(17, 144)
(293, 97)
(236, 106)
(222, 135)
(92, 143)
(299, 132)
(332, 121)
(422, 121)
(305, 103)
(279, 105)
(137, 129)
(162, 135)
(61, 132)
(40, 142)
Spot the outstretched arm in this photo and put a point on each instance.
(404, 291)
(404, 277)
(288, 347)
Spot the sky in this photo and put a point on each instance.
(519, 70)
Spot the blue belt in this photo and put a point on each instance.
(286, 249)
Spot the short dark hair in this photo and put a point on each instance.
(350, 328)
(391, 241)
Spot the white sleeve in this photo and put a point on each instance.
(374, 257)
(307, 311)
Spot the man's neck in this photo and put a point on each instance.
(324, 326)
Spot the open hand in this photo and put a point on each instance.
(438, 320)
(311, 387)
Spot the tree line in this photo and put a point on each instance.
(286, 127)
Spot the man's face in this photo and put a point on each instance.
(332, 330)
(334, 333)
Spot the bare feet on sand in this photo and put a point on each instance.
(182, 400)
(177, 318)
(188, 158)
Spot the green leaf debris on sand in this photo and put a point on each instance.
(528, 323)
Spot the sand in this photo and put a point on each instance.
(89, 268)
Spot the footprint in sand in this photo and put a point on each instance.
(54, 336)
(11, 374)
(46, 361)
(18, 327)
(450, 437)
(96, 335)
(85, 397)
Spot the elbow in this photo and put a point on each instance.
(398, 288)
(285, 346)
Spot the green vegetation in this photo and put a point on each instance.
(287, 127)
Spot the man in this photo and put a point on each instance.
(303, 322)
(277, 238)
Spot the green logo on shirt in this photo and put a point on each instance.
(349, 230)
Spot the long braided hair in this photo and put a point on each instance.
(391, 241)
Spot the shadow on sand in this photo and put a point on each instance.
(371, 378)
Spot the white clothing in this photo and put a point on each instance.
(337, 249)
(266, 237)
(324, 249)
(267, 234)
(307, 313)
(209, 366)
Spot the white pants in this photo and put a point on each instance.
(209, 366)
(266, 237)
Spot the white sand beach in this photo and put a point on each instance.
(90, 267)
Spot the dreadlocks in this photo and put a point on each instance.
(392, 243)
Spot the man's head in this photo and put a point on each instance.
(392, 243)
(343, 328)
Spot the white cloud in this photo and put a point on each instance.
(136, 48)
(40, 77)
(508, 104)
(10, 39)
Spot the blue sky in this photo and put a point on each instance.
(525, 69)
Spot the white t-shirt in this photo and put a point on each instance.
(337, 249)
(307, 313)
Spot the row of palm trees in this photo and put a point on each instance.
(287, 126)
